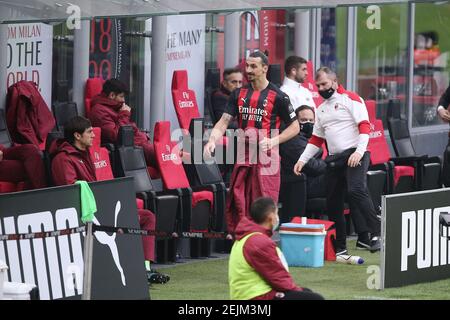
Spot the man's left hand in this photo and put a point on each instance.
(354, 160)
(267, 144)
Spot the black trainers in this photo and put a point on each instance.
(154, 276)
(375, 244)
(341, 251)
(363, 242)
(362, 245)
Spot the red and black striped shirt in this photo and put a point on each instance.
(263, 109)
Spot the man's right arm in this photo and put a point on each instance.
(110, 129)
(216, 133)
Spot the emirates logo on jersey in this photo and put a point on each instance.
(252, 114)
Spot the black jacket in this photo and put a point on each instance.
(290, 151)
(445, 99)
(219, 101)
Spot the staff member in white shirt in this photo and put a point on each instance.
(342, 120)
(296, 72)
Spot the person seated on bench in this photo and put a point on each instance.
(71, 161)
(290, 152)
(110, 112)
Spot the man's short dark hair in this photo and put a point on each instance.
(261, 208)
(293, 62)
(114, 85)
(76, 124)
(229, 71)
(259, 54)
(330, 73)
(304, 107)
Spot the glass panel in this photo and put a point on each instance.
(431, 57)
(214, 39)
(117, 50)
(62, 63)
(381, 62)
(51, 10)
(333, 46)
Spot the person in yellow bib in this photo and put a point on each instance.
(257, 269)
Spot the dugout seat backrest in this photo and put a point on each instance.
(184, 99)
(63, 112)
(93, 87)
(197, 205)
(132, 164)
(102, 163)
(399, 131)
(5, 140)
(430, 170)
(401, 178)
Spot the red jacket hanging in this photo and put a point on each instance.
(28, 117)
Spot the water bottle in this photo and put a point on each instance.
(349, 259)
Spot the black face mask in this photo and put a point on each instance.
(307, 129)
(326, 94)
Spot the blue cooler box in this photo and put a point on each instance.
(303, 244)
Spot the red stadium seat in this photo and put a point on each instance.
(174, 177)
(402, 176)
(198, 205)
(100, 157)
(184, 99)
(93, 87)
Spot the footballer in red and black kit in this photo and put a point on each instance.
(258, 106)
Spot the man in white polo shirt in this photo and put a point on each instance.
(342, 120)
(296, 72)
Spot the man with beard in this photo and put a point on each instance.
(342, 120)
(232, 79)
(296, 72)
(260, 107)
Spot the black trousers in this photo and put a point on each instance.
(352, 181)
(293, 198)
(306, 294)
(446, 167)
